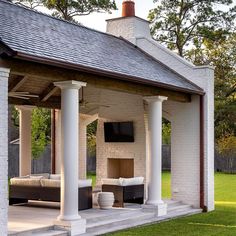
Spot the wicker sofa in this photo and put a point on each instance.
(45, 187)
(126, 190)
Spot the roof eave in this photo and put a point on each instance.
(5, 50)
(68, 65)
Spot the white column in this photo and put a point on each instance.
(58, 141)
(4, 74)
(25, 152)
(69, 217)
(82, 149)
(85, 120)
(154, 200)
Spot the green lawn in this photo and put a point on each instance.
(92, 176)
(221, 222)
(225, 187)
(166, 188)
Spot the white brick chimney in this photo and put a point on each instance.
(129, 26)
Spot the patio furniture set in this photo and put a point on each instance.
(46, 187)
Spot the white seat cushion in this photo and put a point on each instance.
(23, 177)
(84, 183)
(36, 177)
(57, 183)
(110, 181)
(25, 182)
(55, 176)
(131, 181)
(51, 183)
(45, 175)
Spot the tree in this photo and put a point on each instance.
(166, 131)
(68, 9)
(183, 23)
(32, 4)
(40, 131)
(203, 33)
(41, 120)
(91, 138)
(227, 147)
(222, 55)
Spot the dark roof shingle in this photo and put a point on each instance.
(39, 35)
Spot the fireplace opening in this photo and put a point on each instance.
(117, 168)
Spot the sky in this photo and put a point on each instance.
(98, 20)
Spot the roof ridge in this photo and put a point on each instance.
(59, 19)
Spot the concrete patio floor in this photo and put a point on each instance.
(36, 218)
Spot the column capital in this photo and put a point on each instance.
(4, 71)
(27, 108)
(70, 84)
(151, 99)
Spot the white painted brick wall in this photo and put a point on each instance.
(130, 28)
(82, 149)
(4, 74)
(185, 169)
(203, 76)
(129, 108)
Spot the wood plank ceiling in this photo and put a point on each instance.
(36, 79)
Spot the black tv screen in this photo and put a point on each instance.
(119, 132)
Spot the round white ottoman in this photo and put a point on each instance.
(105, 200)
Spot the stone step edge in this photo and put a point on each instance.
(145, 222)
(121, 221)
(43, 229)
(113, 216)
(107, 218)
(179, 208)
(172, 202)
(103, 218)
(52, 233)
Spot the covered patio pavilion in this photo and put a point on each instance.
(65, 98)
(124, 82)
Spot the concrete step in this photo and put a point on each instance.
(113, 216)
(183, 212)
(137, 221)
(52, 233)
(178, 207)
(119, 219)
(143, 222)
(101, 227)
(43, 231)
(171, 203)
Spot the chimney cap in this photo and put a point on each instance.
(128, 8)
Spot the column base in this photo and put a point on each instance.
(75, 227)
(159, 209)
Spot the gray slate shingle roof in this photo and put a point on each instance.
(43, 36)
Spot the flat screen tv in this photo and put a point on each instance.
(119, 132)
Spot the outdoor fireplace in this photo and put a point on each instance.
(120, 168)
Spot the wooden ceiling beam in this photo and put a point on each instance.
(52, 103)
(48, 92)
(16, 83)
(40, 71)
